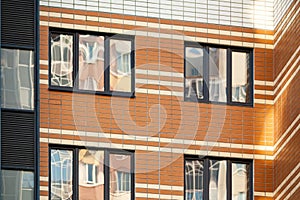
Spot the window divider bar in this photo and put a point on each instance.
(229, 179)
(106, 175)
(75, 174)
(206, 180)
(107, 64)
(229, 75)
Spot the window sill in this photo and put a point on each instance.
(90, 92)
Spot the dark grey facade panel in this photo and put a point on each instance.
(17, 23)
(17, 138)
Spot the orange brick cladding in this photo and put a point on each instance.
(286, 108)
(242, 129)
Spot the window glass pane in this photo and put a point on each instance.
(120, 176)
(217, 180)
(91, 174)
(217, 74)
(61, 174)
(240, 77)
(120, 65)
(17, 77)
(240, 185)
(194, 73)
(61, 60)
(193, 180)
(91, 62)
(17, 185)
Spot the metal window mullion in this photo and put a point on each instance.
(206, 73)
(229, 179)
(206, 179)
(229, 76)
(106, 64)
(106, 175)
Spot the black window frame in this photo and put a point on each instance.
(107, 38)
(229, 50)
(75, 168)
(229, 161)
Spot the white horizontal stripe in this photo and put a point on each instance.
(43, 71)
(263, 194)
(155, 148)
(156, 186)
(263, 101)
(44, 198)
(44, 178)
(263, 83)
(264, 92)
(159, 82)
(44, 62)
(155, 139)
(159, 73)
(44, 82)
(44, 188)
(158, 196)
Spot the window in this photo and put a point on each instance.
(17, 185)
(94, 62)
(217, 179)
(17, 76)
(91, 174)
(218, 74)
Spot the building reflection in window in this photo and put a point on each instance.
(17, 77)
(61, 60)
(91, 62)
(61, 174)
(120, 65)
(120, 177)
(91, 174)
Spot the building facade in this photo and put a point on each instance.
(150, 100)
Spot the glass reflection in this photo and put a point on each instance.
(240, 77)
(240, 181)
(194, 180)
(217, 180)
(91, 62)
(217, 74)
(91, 175)
(61, 60)
(61, 174)
(120, 177)
(17, 75)
(194, 72)
(17, 185)
(120, 65)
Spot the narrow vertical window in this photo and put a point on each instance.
(217, 180)
(194, 73)
(194, 179)
(91, 174)
(61, 60)
(120, 176)
(217, 74)
(17, 69)
(120, 65)
(61, 174)
(240, 183)
(91, 62)
(240, 77)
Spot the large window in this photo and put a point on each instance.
(17, 75)
(218, 74)
(16, 184)
(217, 179)
(91, 62)
(91, 174)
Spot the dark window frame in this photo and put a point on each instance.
(229, 161)
(75, 174)
(229, 50)
(107, 38)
